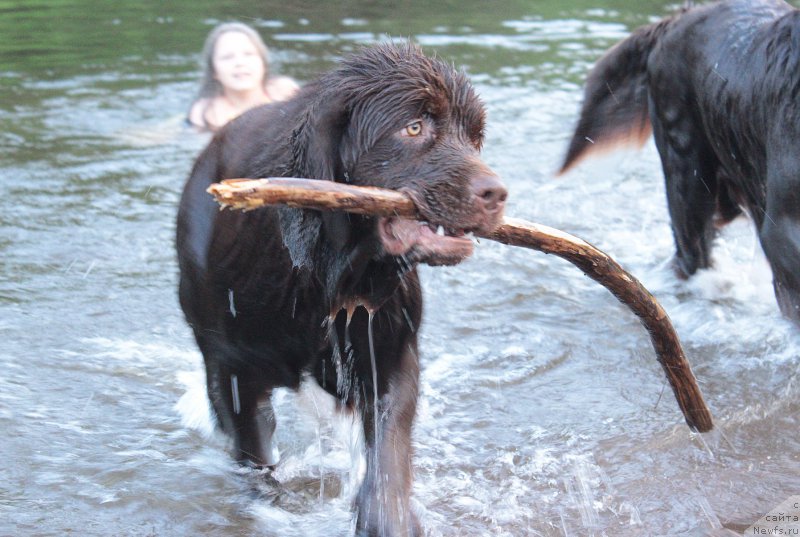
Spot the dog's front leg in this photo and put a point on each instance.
(382, 505)
(240, 396)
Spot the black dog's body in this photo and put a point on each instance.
(276, 294)
(720, 86)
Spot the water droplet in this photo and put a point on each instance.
(237, 404)
(231, 306)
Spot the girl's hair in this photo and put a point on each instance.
(210, 86)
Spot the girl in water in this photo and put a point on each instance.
(235, 77)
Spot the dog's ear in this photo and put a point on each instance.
(317, 138)
(315, 149)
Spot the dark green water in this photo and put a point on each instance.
(542, 411)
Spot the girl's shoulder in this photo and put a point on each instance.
(280, 88)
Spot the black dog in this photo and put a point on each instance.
(276, 294)
(720, 86)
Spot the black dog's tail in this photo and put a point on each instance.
(615, 110)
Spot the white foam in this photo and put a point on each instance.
(193, 406)
(330, 520)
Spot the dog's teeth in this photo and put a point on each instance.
(440, 231)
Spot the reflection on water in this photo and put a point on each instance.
(543, 411)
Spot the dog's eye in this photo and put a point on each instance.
(414, 129)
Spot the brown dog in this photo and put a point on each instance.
(720, 87)
(275, 294)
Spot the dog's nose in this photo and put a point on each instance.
(491, 192)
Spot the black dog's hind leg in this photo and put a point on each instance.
(690, 173)
(241, 400)
(728, 208)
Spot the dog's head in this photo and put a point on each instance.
(392, 117)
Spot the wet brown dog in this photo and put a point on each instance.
(276, 294)
(720, 87)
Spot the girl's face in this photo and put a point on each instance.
(237, 64)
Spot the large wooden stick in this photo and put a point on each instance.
(250, 194)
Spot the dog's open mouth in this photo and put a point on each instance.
(423, 242)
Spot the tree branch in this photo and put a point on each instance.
(248, 194)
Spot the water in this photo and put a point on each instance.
(543, 410)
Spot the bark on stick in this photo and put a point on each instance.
(248, 194)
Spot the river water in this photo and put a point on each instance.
(543, 410)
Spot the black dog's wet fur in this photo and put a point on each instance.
(270, 293)
(720, 86)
